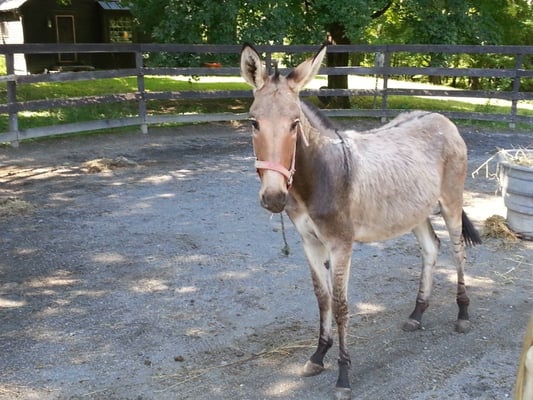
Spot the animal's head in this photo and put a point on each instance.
(275, 115)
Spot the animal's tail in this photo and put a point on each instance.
(470, 233)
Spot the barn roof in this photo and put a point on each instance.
(111, 5)
(10, 5)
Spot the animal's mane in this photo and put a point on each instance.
(317, 119)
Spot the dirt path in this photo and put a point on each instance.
(162, 278)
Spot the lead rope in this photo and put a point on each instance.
(286, 250)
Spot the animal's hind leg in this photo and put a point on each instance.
(429, 247)
(318, 258)
(454, 224)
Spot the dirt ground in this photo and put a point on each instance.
(157, 275)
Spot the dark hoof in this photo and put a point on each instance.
(312, 369)
(463, 326)
(343, 393)
(411, 325)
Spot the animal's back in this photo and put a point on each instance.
(418, 127)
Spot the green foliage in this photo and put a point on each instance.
(260, 21)
(455, 22)
(307, 21)
(3, 69)
(476, 22)
(349, 21)
(177, 21)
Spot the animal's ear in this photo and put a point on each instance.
(252, 69)
(306, 71)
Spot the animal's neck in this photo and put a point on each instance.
(321, 172)
(315, 123)
(324, 144)
(319, 136)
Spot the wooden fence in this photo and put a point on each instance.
(384, 70)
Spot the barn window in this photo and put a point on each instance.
(121, 30)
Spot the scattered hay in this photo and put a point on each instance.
(13, 206)
(187, 375)
(496, 227)
(106, 164)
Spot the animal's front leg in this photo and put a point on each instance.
(318, 258)
(340, 263)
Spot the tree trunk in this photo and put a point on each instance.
(335, 36)
(436, 60)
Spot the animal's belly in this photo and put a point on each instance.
(364, 234)
(383, 226)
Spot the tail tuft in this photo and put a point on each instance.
(470, 233)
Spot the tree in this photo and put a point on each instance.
(338, 22)
(345, 23)
(261, 22)
(479, 22)
(455, 22)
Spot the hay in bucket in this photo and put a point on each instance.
(496, 227)
(522, 157)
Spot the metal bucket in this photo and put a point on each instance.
(517, 190)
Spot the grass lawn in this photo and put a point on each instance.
(27, 92)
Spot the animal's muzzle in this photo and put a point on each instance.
(274, 201)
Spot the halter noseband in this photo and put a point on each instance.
(273, 166)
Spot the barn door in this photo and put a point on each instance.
(66, 33)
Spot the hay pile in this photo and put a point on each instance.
(496, 227)
(11, 206)
(106, 164)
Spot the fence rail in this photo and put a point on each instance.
(13, 106)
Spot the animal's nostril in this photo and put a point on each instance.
(274, 201)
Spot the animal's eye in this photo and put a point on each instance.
(255, 124)
(295, 124)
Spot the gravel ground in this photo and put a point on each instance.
(160, 277)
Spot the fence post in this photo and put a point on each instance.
(12, 98)
(386, 64)
(516, 88)
(379, 60)
(141, 89)
(268, 62)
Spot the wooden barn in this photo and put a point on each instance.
(67, 21)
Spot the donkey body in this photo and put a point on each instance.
(344, 186)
